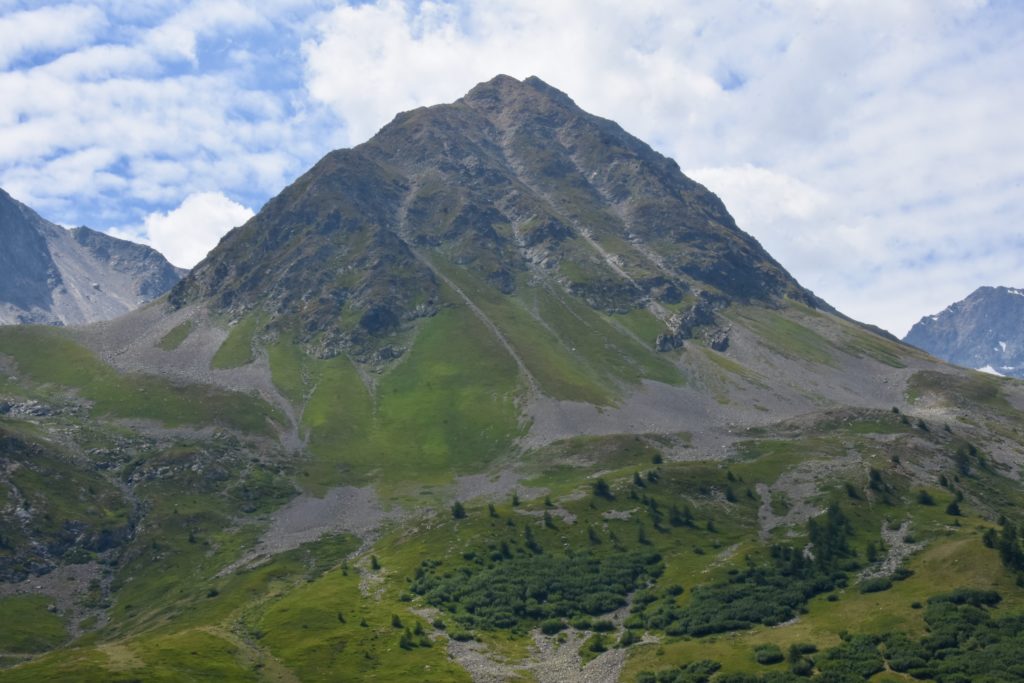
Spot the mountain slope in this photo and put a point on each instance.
(56, 276)
(501, 395)
(513, 183)
(984, 331)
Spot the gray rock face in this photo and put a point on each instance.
(65, 277)
(985, 331)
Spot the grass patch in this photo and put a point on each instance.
(787, 337)
(176, 336)
(50, 357)
(237, 349)
(28, 626)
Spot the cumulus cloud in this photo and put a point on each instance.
(46, 29)
(185, 235)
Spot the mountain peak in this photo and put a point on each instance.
(503, 90)
(982, 331)
(513, 186)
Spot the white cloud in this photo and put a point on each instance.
(186, 234)
(47, 28)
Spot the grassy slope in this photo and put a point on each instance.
(455, 389)
(173, 616)
(289, 609)
(48, 357)
(176, 336)
(28, 626)
(237, 349)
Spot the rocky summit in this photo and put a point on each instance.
(501, 395)
(985, 331)
(55, 276)
(513, 184)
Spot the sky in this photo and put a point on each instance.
(874, 147)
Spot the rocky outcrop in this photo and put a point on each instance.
(985, 331)
(700, 319)
(56, 276)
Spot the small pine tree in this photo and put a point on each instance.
(396, 621)
(531, 540)
(341, 617)
(374, 563)
(458, 510)
(953, 509)
(637, 481)
(548, 521)
(547, 502)
(657, 459)
(871, 552)
(711, 525)
(602, 490)
(515, 499)
(592, 535)
(405, 641)
(491, 511)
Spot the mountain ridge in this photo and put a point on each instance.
(53, 275)
(982, 331)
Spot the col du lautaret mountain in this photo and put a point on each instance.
(501, 394)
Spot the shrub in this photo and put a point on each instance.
(768, 653)
(876, 584)
(550, 627)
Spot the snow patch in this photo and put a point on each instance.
(991, 370)
(1002, 346)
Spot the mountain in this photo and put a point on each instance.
(985, 331)
(52, 275)
(515, 185)
(501, 395)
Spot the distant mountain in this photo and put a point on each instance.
(52, 275)
(985, 331)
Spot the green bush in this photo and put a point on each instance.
(768, 653)
(876, 584)
(550, 627)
